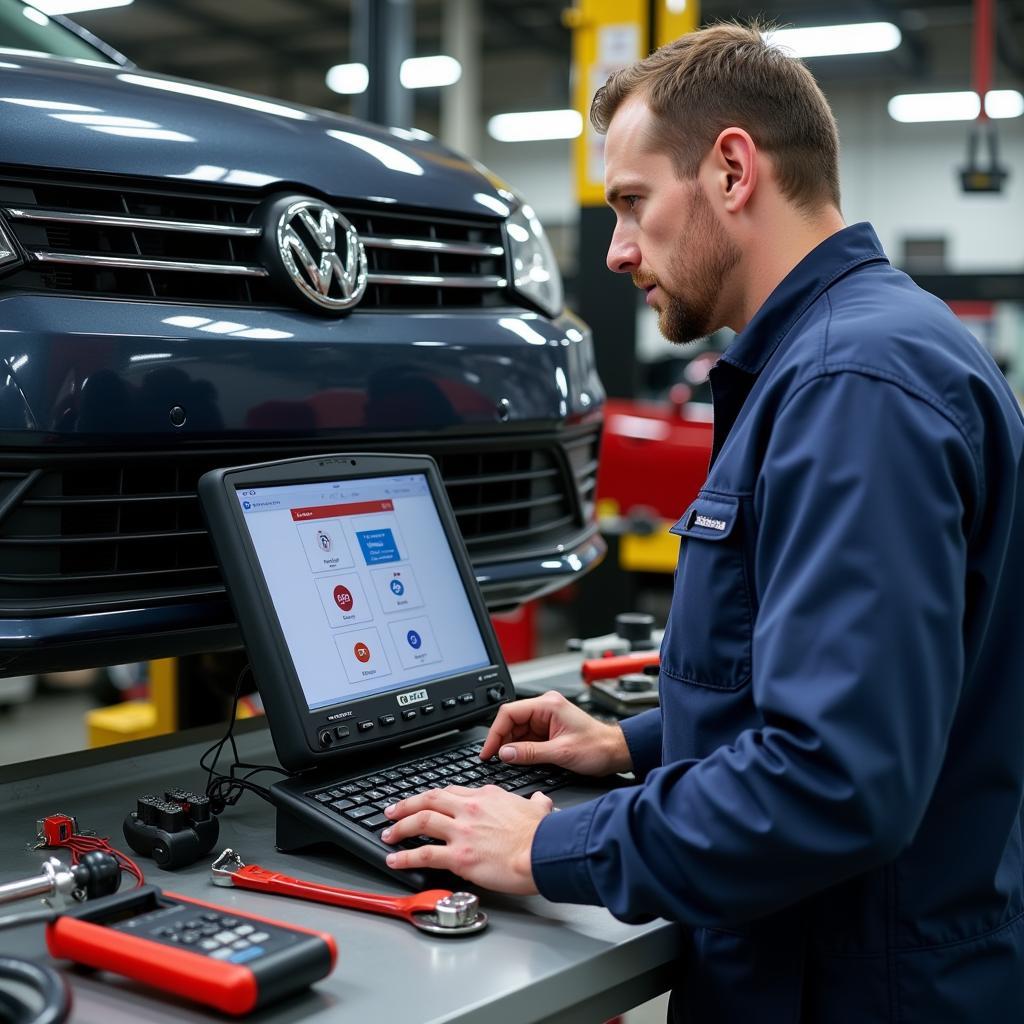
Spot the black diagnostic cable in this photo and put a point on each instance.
(225, 791)
(46, 982)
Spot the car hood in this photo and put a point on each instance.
(62, 115)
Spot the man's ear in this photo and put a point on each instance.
(734, 166)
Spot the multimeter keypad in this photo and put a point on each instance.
(216, 935)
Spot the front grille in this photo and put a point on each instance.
(93, 526)
(144, 241)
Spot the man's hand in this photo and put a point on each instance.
(551, 730)
(488, 834)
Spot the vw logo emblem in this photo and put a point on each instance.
(313, 252)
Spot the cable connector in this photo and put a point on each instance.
(56, 830)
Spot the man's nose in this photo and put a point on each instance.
(623, 255)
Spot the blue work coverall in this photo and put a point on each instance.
(831, 790)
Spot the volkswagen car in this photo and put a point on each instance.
(193, 277)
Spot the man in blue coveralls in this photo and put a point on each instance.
(830, 794)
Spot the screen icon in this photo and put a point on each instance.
(415, 642)
(344, 600)
(397, 588)
(247, 505)
(324, 540)
(362, 652)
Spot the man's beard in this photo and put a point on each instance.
(700, 266)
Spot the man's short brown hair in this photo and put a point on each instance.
(728, 76)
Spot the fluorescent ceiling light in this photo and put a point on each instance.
(76, 6)
(348, 79)
(415, 73)
(914, 108)
(429, 72)
(830, 40)
(535, 125)
(1004, 103)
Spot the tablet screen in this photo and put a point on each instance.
(364, 583)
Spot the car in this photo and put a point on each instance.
(193, 277)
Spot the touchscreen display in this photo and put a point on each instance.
(364, 584)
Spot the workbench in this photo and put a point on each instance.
(538, 961)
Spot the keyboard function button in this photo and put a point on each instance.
(365, 726)
(466, 698)
(408, 714)
(386, 719)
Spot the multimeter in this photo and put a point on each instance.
(234, 962)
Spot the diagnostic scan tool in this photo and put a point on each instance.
(367, 635)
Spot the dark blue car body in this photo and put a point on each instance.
(127, 372)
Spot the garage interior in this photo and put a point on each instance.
(942, 185)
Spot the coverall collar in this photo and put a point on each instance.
(850, 247)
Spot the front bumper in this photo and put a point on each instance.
(504, 399)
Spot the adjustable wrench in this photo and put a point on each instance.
(437, 911)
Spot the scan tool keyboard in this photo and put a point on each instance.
(362, 800)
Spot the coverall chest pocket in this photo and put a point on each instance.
(711, 623)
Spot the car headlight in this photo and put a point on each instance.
(535, 273)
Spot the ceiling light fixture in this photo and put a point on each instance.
(429, 72)
(348, 79)
(76, 6)
(535, 125)
(914, 108)
(834, 40)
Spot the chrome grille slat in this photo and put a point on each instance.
(437, 281)
(142, 263)
(432, 245)
(114, 221)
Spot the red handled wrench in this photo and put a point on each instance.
(437, 911)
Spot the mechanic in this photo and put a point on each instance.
(830, 794)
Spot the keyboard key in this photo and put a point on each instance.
(341, 805)
(378, 821)
(358, 813)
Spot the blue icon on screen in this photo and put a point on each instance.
(246, 505)
(397, 588)
(415, 640)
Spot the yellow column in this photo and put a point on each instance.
(139, 719)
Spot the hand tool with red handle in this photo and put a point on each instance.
(437, 911)
(618, 665)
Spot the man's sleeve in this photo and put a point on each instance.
(858, 660)
(643, 738)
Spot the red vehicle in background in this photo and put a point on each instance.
(655, 454)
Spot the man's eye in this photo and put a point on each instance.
(631, 201)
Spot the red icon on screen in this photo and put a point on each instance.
(343, 598)
(362, 652)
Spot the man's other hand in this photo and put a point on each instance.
(552, 730)
(488, 834)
